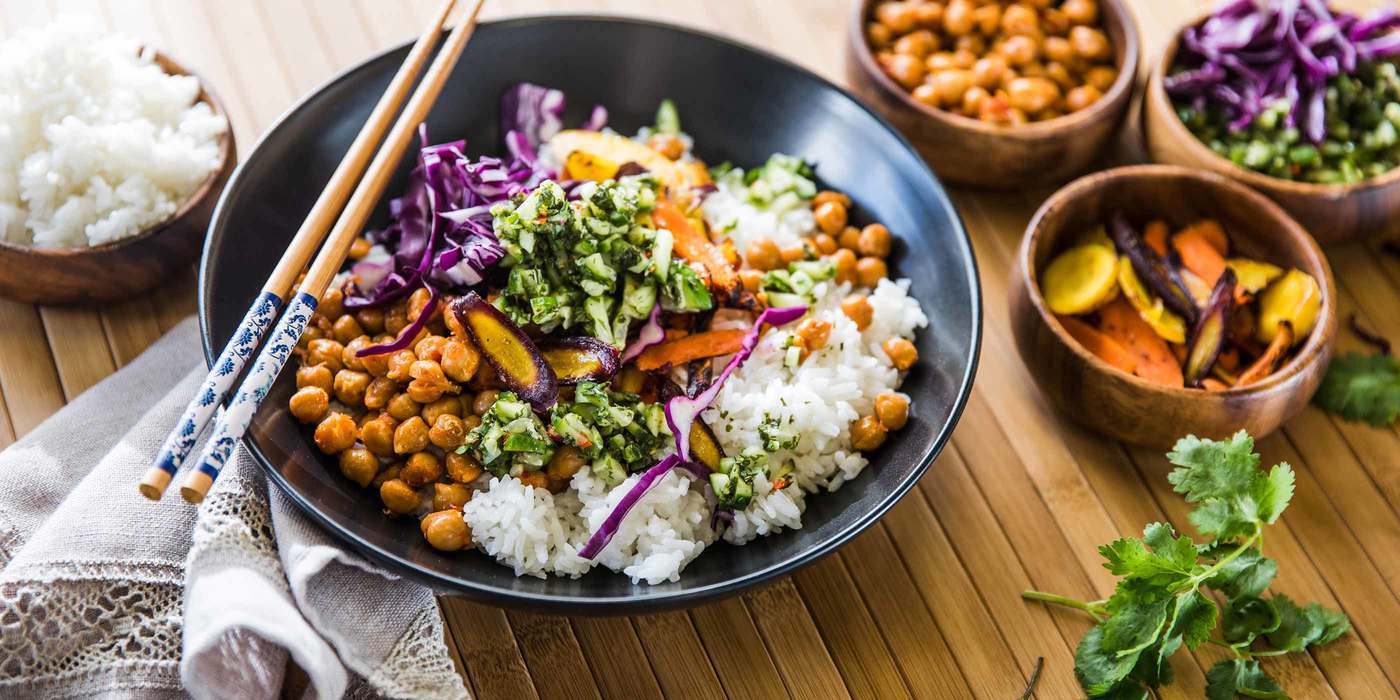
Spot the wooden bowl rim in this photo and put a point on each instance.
(1111, 100)
(1156, 98)
(206, 95)
(1311, 352)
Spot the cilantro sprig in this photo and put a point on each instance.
(1167, 596)
(1362, 387)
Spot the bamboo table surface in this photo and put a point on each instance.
(923, 604)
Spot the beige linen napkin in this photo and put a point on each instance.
(105, 593)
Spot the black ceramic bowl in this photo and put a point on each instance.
(740, 105)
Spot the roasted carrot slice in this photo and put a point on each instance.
(1152, 357)
(692, 347)
(692, 244)
(1106, 348)
(1156, 235)
(1214, 234)
(1213, 384)
(1199, 255)
(1272, 357)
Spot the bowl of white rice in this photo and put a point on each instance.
(112, 157)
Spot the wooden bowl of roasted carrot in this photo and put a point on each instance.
(1154, 301)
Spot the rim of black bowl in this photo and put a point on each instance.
(632, 603)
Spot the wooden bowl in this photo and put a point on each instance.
(124, 267)
(967, 151)
(1331, 213)
(1124, 406)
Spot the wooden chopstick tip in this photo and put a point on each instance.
(196, 486)
(154, 483)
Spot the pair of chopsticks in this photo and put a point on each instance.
(233, 421)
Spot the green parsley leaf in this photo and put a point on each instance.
(1300, 627)
(1362, 388)
(1248, 574)
(1196, 616)
(1273, 492)
(1097, 669)
(1159, 556)
(1223, 476)
(1248, 618)
(1126, 690)
(1242, 676)
(1137, 614)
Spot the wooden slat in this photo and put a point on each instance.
(678, 658)
(619, 663)
(789, 633)
(738, 654)
(867, 667)
(553, 656)
(28, 375)
(487, 648)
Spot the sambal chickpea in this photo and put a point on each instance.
(1101, 77)
(973, 98)
(372, 320)
(814, 332)
(1054, 21)
(350, 387)
(1032, 95)
(929, 14)
(378, 435)
(446, 530)
(360, 248)
(1019, 50)
(447, 432)
(447, 405)
(831, 217)
(901, 352)
(1020, 20)
(763, 254)
(421, 469)
(941, 61)
(1058, 74)
(892, 410)
(399, 498)
(875, 240)
(792, 253)
(378, 393)
(917, 44)
(950, 85)
(346, 328)
(410, 436)
(537, 479)
(869, 271)
(335, 433)
(484, 400)
(309, 404)
(857, 308)
(350, 356)
(430, 348)
(899, 17)
(332, 304)
(399, 364)
(417, 301)
(878, 35)
(845, 261)
(326, 352)
(402, 407)
(1058, 49)
(377, 364)
(429, 383)
(459, 360)
(463, 468)
(988, 70)
(450, 496)
(359, 465)
(315, 375)
(868, 433)
(309, 336)
(988, 18)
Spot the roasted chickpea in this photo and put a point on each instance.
(1101, 77)
(898, 16)
(399, 364)
(892, 410)
(429, 383)
(359, 249)
(310, 404)
(350, 387)
(378, 393)
(1020, 20)
(1032, 95)
(335, 433)
(1081, 97)
(422, 468)
(1058, 49)
(447, 432)
(875, 240)
(965, 59)
(410, 436)
(1089, 44)
(831, 217)
(988, 18)
(315, 375)
(387, 474)
(459, 360)
(825, 244)
(430, 348)
(332, 304)
(447, 405)
(450, 496)
(763, 254)
(359, 465)
(792, 253)
(1080, 11)
(309, 336)
(941, 61)
(926, 94)
(346, 328)
(483, 401)
(378, 435)
(417, 302)
(326, 352)
(857, 308)
(446, 530)
(537, 479)
(959, 17)
(929, 14)
(350, 356)
(906, 70)
(403, 407)
(950, 85)
(1054, 21)
(378, 363)
(564, 464)
(849, 238)
(463, 468)
(814, 333)
(831, 196)
(987, 71)
(868, 434)
(917, 43)
(1019, 50)
(878, 35)
(869, 271)
(400, 498)
(845, 261)
(371, 320)
(972, 100)
(901, 352)
(396, 319)
(751, 279)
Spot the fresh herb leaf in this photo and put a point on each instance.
(1242, 676)
(1247, 575)
(1300, 627)
(1362, 388)
(1248, 618)
(1099, 670)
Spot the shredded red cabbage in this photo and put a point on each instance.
(1247, 57)
(650, 334)
(409, 333)
(604, 534)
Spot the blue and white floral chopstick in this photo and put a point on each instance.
(233, 422)
(308, 238)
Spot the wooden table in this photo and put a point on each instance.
(925, 603)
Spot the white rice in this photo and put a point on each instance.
(96, 141)
(727, 210)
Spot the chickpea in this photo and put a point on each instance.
(898, 16)
(875, 241)
(371, 320)
(399, 364)
(335, 433)
(350, 387)
(463, 468)
(1101, 77)
(310, 404)
(925, 94)
(459, 360)
(1032, 95)
(667, 145)
(378, 435)
(825, 244)
(906, 70)
(751, 279)
(959, 17)
(359, 465)
(396, 319)
(447, 432)
(1016, 117)
(763, 254)
(917, 44)
(417, 302)
(1054, 21)
(831, 196)
(564, 464)
(857, 308)
(988, 70)
(388, 474)
(484, 401)
(964, 60)
(346, 328)
(941, 61)
(950, 84)
(422, 468)
(429, 383)
(315, 375)
(845, 261)
(1034, 69)
(901, 352)
(831, 217)
(360, 248)
(410, 436)
(399, 498)
(988, 18)
(326, 352)
(814, 332)
(430, 348)
(868, 434)
(792, 253)
(309, 336)
(878, 35)
(403, 407)
(447, 405)
(377, 364)
(929, 14)
(973, 98)
(1020, 20)
(1019, 50)
(1081, 97)
(450, 496)
(849, 238)
(1080, 11)
(1058, 49)
(869, 271)
(350, 356)
(1089, 43)
(332, 304)
(446, 530)
(892, 410)
(973, 44)
(537, 479)
(378, 393)
(1009, 75)
(1057, 73)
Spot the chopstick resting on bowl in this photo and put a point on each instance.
(277, 289)
(233, 422)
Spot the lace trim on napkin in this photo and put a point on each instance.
(418, 666)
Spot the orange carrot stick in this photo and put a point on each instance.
(694, 245)
(1156, 236)
(691, 347)
(1106, 348)
(1199, 255)
(1272, 357)
(1154, 359)
(1211, 230)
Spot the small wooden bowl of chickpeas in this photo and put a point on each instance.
(996, 93)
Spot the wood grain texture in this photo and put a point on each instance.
(924, 603)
